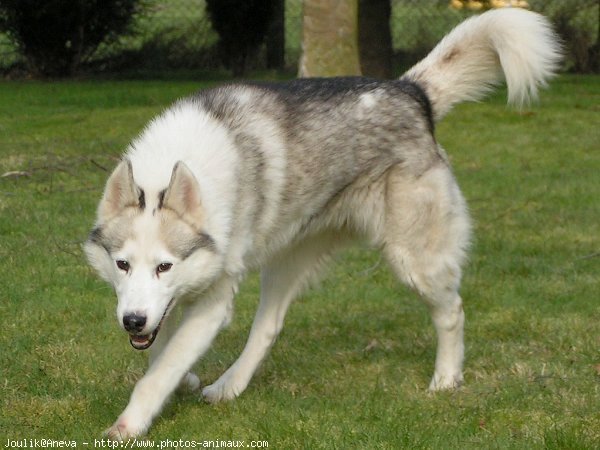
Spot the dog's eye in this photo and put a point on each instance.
(123, 265)
(163, 267)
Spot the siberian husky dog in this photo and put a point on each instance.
(277, 177)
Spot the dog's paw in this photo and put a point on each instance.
(189, 383)
(123, 429)
(445, 382)
(225, 388)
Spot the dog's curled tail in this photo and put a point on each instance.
(517, 45)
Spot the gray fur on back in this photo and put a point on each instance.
(335, 131)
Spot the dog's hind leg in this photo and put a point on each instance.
(281, 282)
(426, 235)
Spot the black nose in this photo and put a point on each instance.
(133, 322)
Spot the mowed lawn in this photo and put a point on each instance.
(352, 365)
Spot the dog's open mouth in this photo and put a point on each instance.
(144, 341)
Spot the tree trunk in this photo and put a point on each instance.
(329, 38)
(375, 38)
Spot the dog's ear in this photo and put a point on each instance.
(120, 192)
(183, 193)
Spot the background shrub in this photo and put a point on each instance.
(241, 26)
(578, 24)
(57, 36)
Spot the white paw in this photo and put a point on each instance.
(190, 382)
(225, 388)
(445, 382)
(124, 429)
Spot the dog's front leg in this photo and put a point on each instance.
(188, 343)
(190, 381)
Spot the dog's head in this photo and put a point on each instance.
(152, 247)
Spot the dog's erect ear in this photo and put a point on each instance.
(183, 193)
(120, 192)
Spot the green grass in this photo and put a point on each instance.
(351, 367)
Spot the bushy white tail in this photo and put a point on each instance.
(509, 43)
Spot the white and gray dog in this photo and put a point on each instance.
(277, 177)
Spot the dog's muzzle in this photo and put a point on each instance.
(134, 324)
